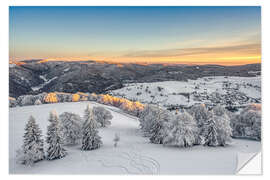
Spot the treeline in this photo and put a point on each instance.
(133, 108)
(52, 97)
(128, 106)
(199, 126)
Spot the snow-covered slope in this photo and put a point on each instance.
(211, 90)
(134, 155)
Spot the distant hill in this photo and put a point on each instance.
(32, 77)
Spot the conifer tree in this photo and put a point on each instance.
(90, 140)
(147, 119)
(224, 129)
(32, 149)
(217, 131)
(55, 149)
(182, 131)
(209, 133)
(102, 116)
(157, 129)
(70, 128)
(199, 113)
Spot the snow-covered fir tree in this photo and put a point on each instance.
(224, 129)
(55, 148)
(90, 138)
(201, 115)
(102, 116)
(157, 130)
(38, 102)
(147, 119)
(219, 126)
(181, 131)
(32, 148)
(209, 132)
(71, 126)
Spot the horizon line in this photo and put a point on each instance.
(20, 62)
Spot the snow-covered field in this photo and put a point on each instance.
(134, 155)
(238, 90)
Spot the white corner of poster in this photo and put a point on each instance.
(249, 163)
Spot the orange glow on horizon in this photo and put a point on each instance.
(221, 54)
(227, 61)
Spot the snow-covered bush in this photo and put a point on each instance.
(181, 131)
(83, 96)
(75, 97)
(90, 138)
(51, 98)
(71, 125)
(247, 124)
(40, 97)
(26, 100)
(55, 148)
(12, 102)
(102, 116)
(32, 149)
(37, 102)
(92, 97)
(64, 97)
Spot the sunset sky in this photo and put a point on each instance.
(193, 35)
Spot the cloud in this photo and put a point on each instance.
(241, 49)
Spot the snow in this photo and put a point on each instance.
(133, 155)
(67, 69)
(36, 88)
(12, 65)
(177, 92)
(43, 77)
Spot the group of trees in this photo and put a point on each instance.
(133, 108)
(197, 126)
(130, 107)
(67, 129)
(52, 97)
(247, 124)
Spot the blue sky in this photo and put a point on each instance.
(120, 33)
